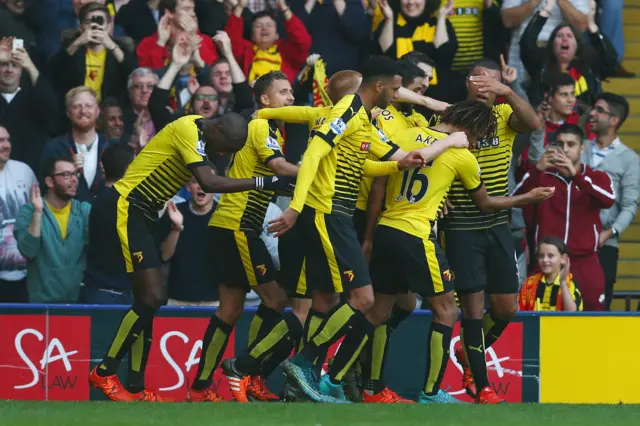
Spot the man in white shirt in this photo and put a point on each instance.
(83, 142)
(516, 15)
(16, 179)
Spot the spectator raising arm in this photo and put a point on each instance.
(386, 35)
(572, 15)
(241, 89)
(29, 225)
(442, 35)
(516, 15)
(353, 21)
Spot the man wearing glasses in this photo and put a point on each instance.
(52, 234)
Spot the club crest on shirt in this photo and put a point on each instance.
(338, 126)
(349, 276)
(262, 270)
(272, 143)
(200, 148)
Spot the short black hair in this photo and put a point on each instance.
(556, 80)
(169, 5)
(377, 66)
(416, 57)
(571, 129)
(235, 128)
(487, 63)
(49, 165)
(116, 158)
(93, 7)
(265, 81)
(554, 241)
(618, 106)
(409, 72)
(109, 102)
(262, 15)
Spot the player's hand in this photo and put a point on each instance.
(538, 195)
(275, 183)
(446, 208)
(411, 161)
(458, 140)
(282, 224)
(175, 217)
(36, 198)
(488, 84)
(509, 74)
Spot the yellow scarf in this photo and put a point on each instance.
(264, 61)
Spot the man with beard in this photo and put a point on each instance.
(83, 142)
(184, 245)
(52, 234)
(16, 179)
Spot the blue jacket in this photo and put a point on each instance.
(54, 266)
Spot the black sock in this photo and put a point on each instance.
(284, 347)
(138, 360)
(134, 321)
(333, 328)
(360, 333)
(262, 322)
(493, 328)
(437, 356)
(474, 351)
(311, 326)
(250, 361)
(214, 344)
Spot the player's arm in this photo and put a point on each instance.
(374, 208)
(524, 118)
(429, 153)
(268, 149)
(407, 96)
(290, 114)
(209, 182)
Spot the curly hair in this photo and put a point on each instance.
(474, 117)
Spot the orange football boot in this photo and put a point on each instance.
(111, 387)
(488, 396)
(204, 395)
(258, 390)
(467, 378)
(386, 396)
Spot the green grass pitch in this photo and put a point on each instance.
(14, 413)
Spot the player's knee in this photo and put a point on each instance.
(445, 310)
(230, 313)
(506, 312)
(362, 299)
(156, 298)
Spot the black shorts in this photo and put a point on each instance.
(401, 262)
(360, 223)
(333, 258)
(126, 234)
(241, 258)
(482, 260)
(292, 276)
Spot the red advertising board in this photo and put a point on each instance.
(174, 357)
(45, 357)
(504, 364)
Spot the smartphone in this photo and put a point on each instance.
(98, 19)
(18, 43)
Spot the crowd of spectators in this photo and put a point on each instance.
(85, 84)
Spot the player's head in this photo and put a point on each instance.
(60, 177)
(273, 90)
(412, 77)
(560, 94)
(472, 117)
(116, 159)
(608, 114)
(227, 133)
(424, 62)
(381, 78)
(486, 67)
(569, 138)
(343, 83)
(552, 255)
(199, 198)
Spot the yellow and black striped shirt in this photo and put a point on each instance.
(162, 167)
(467, 21)
(494, 157)
(339, 148)
(246, 210)
(537, 294)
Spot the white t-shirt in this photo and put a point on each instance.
(15, 187)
